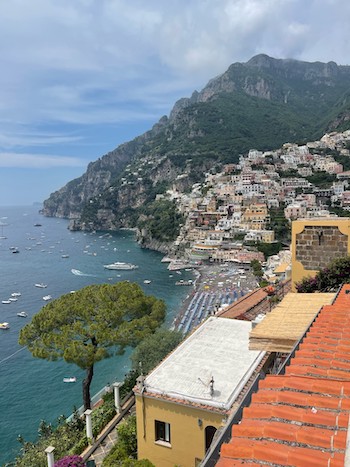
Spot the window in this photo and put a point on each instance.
(162, 431)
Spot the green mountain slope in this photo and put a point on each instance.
(260, 104)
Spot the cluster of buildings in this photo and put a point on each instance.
(233, 207)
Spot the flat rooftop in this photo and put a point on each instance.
(218, 350)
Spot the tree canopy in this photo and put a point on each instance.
(154, 348)
(91, 324)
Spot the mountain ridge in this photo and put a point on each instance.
(260, 104)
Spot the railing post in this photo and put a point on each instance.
(87, 414)
(116, 387)
(49, 453)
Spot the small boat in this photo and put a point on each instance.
(16, 294)
(147, 281)
(41, 286)
(6, 301)
(37, 224)
(76, 272)
(71, 379)
(47, 297)
(120, 266)
(4, 326)
(14, 249)
(13, 299)
(22, 314)
(65, 256)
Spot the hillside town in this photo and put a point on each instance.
(233, 211)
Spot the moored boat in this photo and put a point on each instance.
(22, 314)
(120, 266)
(70, 379)
(41, 285)
(4, 326)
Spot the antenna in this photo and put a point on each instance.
(212, 386)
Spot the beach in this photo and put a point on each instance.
(216, 286)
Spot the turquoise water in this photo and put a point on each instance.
(32, 390)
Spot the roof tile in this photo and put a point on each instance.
(301, 418)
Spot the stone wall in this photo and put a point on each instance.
(316, 246)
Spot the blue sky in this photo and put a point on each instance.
(80, 77)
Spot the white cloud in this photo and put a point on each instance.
(11, 140)
(43, 161)
(93, 62)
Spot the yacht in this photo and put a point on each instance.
(122, 266)
(70, 379)
(177, 264)
(22, 314)
(4, 326)
(41, 285)
(47, 297)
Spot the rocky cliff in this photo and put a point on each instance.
(259, 104)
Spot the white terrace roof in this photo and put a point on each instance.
(218, 349)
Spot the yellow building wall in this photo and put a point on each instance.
(315, 243)
(187, 433)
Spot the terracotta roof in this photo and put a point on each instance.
(301, 418)
(244, 304)
(253, 303)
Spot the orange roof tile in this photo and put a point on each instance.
(301, 418)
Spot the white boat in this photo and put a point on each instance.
(76, 272)
(6, 301)
(47, 297)
(65, 256)
(16, 294)
(120, 266)
(22, 314)
(4, 326)
(13, 299)
(166, 259)
(71, 379)
(177, 264)
(147, 281)
(41, 286)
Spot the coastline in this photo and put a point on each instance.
(216, 285)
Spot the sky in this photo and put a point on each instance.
(78, 78)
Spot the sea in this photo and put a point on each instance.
(32, 389)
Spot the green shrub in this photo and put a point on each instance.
(124, 453)
(328, 279)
